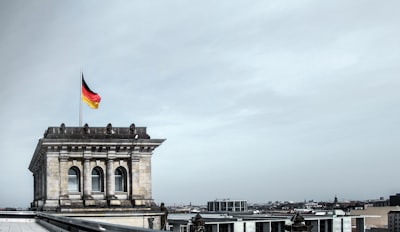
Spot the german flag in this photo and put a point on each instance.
(89, 97)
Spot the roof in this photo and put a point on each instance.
(21, 225)
(16, 221)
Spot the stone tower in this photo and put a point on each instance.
(79, 169)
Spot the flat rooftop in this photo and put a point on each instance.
(15, 221)
(19, 225)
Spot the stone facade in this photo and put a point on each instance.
(83, 169)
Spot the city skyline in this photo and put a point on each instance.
(260, 101)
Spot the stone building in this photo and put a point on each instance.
(244, 222)
(92, 169)
(394, 200)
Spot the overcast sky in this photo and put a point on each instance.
(258, 100)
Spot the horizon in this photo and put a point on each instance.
(175, 204)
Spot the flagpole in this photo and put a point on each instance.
(80, 99)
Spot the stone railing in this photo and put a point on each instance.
(131, 132)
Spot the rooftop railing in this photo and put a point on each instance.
(60, 223)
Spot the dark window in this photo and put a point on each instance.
(208, 228)
(97, 179)
(120, 180)
(329, 225)
(73, 180)
(230, 206)
(259, 227)
(223, 206)
(322, 226)
(211, 206)
(225, 227)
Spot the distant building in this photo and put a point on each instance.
(375, 217)
(93, 169)
(394, 221)
(213, 222)
(394, 200)
(226, 205)
(381, 202)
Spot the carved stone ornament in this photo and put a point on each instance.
(62, 128)
(132, 128)
(109, 129)
(86, 129)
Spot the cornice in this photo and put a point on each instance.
(95, 142)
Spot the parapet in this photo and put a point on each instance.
(86, 132)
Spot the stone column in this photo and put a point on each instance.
(34, 187)
(40, 184)
(87, 179)
(111, 198)
(110, 179)
(52, 181)
(145, 178)
(87, 183)
(63, 175)
(135, 176)
(63, 166)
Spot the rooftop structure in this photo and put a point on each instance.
(92, 169)
(227, 205)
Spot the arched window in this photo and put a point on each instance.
(73, 180)
(97, 179)
(120, 180)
